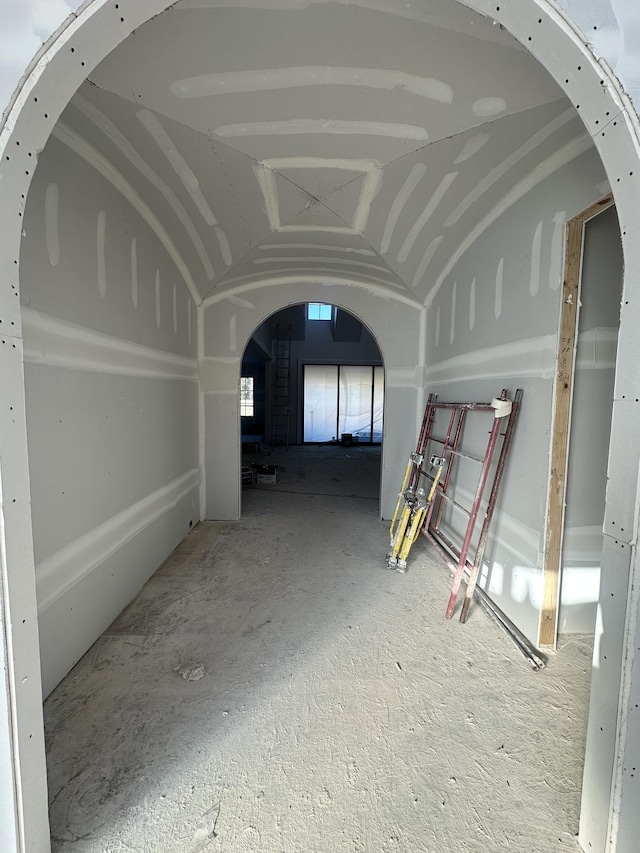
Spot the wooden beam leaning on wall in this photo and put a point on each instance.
(561, 419)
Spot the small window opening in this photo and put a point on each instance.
(246, 397)
(319, 311)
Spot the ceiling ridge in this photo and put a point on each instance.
(473, 127)
(380, 257)
(234, 265)
(207, 135)
(358, 177)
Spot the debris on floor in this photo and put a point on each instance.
(191, 671)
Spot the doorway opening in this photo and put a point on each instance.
(584, 383)
(312, 380)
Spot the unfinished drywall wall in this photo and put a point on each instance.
(229, 322)
(112, 404)
(493, 323)
(599, 320)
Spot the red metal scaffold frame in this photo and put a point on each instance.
(416, 512)
(450, 445)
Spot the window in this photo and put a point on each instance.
(343, 399)
(246, 396)
(319, 311)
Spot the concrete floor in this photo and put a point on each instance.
(275, 688)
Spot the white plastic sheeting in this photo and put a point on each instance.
(343, 399)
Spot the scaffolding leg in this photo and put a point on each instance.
(457, 578)
(506, 441)
(401, 500)
(411, 523)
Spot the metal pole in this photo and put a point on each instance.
(472, 519)
(475, 571)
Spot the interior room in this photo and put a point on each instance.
(260, 235)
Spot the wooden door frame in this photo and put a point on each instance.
(561, 418)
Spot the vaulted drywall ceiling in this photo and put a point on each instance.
(363, 141)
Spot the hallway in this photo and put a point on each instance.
(324, 703)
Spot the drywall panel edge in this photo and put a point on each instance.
(19, 646)
(62, 570)
(109, 588)
(58, 343)
(605, 689)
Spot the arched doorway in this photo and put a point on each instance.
(311, 374)
(47, 91)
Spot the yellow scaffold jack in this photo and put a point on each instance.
(411, 510)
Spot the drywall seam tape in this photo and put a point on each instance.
(502, 407)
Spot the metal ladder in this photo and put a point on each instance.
(281, 410)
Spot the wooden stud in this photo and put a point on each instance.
(562, 400)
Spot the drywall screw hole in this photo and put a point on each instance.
(579, 67)
(529, 38)
(73, 50)
(539, 20)
(46, 115)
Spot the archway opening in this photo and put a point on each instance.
(452, 289)
(312, 374)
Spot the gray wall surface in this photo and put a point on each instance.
(599, 321)
(228, 327)
(493, 323)
(112, 402)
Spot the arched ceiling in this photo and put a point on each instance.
(365, 140)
